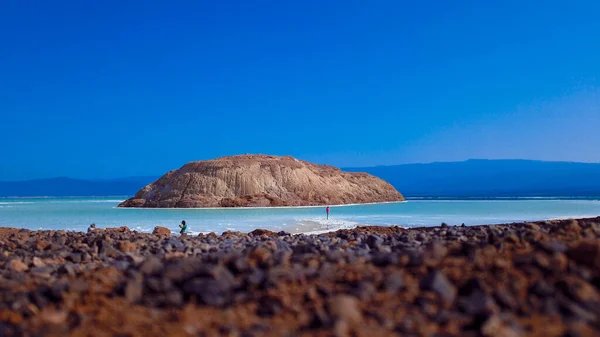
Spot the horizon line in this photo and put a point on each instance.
(124, 178)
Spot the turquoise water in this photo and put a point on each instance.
(78, 213)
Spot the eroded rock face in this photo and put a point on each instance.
(261, 180)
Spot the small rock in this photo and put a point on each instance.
(573, 226)
(52, 316)
(174, 245)
(505, 299)
(495, 326)
(108, 250)
(78, 286)
(17, 265)
(74, 257)
(586, 253)
(437, 282)
(67, 268)
(364, 290)
(542, 288)
(126, 246)
(346, 308)
(42, 245)
(374, 241)
(207, 291)
(161, 231)
(122, 229)
(151, 266)
(260, 232)
(553, 246)
(531, 226)
(437, 252)
(479, 303)
(260, 255)
(393, 282)
(41, 272)
(37, 262)
(269, 306)
(134, 291)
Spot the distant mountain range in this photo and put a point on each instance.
(471, 178)
(492, 178)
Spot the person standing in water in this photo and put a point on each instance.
(327, 211)
(183, 227)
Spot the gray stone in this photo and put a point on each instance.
(437, 282)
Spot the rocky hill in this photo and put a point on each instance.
(261, 180)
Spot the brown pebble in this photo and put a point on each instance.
(161, 231)
(37, 262)
(586, 253)
(17, 265)
(126, 246)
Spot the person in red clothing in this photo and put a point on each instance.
(327, 211)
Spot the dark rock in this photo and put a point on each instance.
(393, 282)
(586, 253)
(553, 246)
(67, 268)
(437, 282)
(384, 259)
(505, 298)
(478, 303)
(134, 291)
(364, 290)
(174, 245)
(415, 258)
(269, 306)
(108, 250)
(374, 241)
(207, 291)
(542, 288)
(151, 266)
(42, 272)
(421, 237)
(471, 286)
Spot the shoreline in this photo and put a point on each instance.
(539, 278)
(261, 207)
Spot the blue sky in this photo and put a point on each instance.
(100, 89)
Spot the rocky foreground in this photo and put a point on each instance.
(526, 279)
(261, 181)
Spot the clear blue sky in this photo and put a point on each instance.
(100, 89)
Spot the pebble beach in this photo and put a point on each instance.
(518, 279)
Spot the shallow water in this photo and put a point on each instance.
(78, 213)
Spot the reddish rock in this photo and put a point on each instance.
(495, 326)
(259, 232)
(37, 262)
(347, 314)
(158, 230)
(122, 229)
(17, 265)
(126, 246)
(42, 245)
(573, 226)
(55, 317)
(261, 180)
(586, 253)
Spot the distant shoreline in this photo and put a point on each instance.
(533, 197)
(264, 207)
